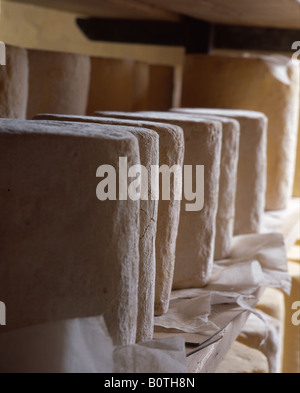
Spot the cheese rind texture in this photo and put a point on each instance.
(228, 184)
(58, 83)
(196, 235)
(14, 84)
(171, 152)
(252, 167)
(118, 85)
(268, 84)
(149, 154)
(64, 253)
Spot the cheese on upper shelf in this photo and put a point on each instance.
(118, 85)
(14, 84)
(268, 84)
(58, 83)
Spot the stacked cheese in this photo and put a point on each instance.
(228, 182)
(14, 83)
(268, 84)
(171, 152)
(251, 181)
(126, 85)
(196, 235)
(64, 254)
(58, 83)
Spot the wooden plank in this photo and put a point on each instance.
(208, 360)
(132, 9)
(151, 32)
(261, 13)
(35, 27)
(247, 38)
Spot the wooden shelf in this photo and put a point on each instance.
(129, 9)
(259, 13)
(34, 27)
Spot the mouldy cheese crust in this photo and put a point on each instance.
(14, 84)
(149, 154)
(196, 237)
(171, 152)
(269, 84)
(252, 167)
(228, 184)
(65, 255)
(58, 83)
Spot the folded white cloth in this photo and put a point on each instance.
(266, 336)
(85, 346)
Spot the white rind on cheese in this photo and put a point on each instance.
(196, 236)
(228, 184)
(252, 167)
(149, 153)
(171, 152)
(58, 83)
(64, 254)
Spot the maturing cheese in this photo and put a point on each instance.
(149, 153)
(118, 85)
(161, 87)
(58, 83)
(171, 152)
(243, 360)
(251, 183)
(196, 236)
(65, 254)
(14, 84)
(268, 84)
(228, 185)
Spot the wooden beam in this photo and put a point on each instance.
(35, 27)
(261, 13)
(192, 34)
(246, 38)
(132, 9)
